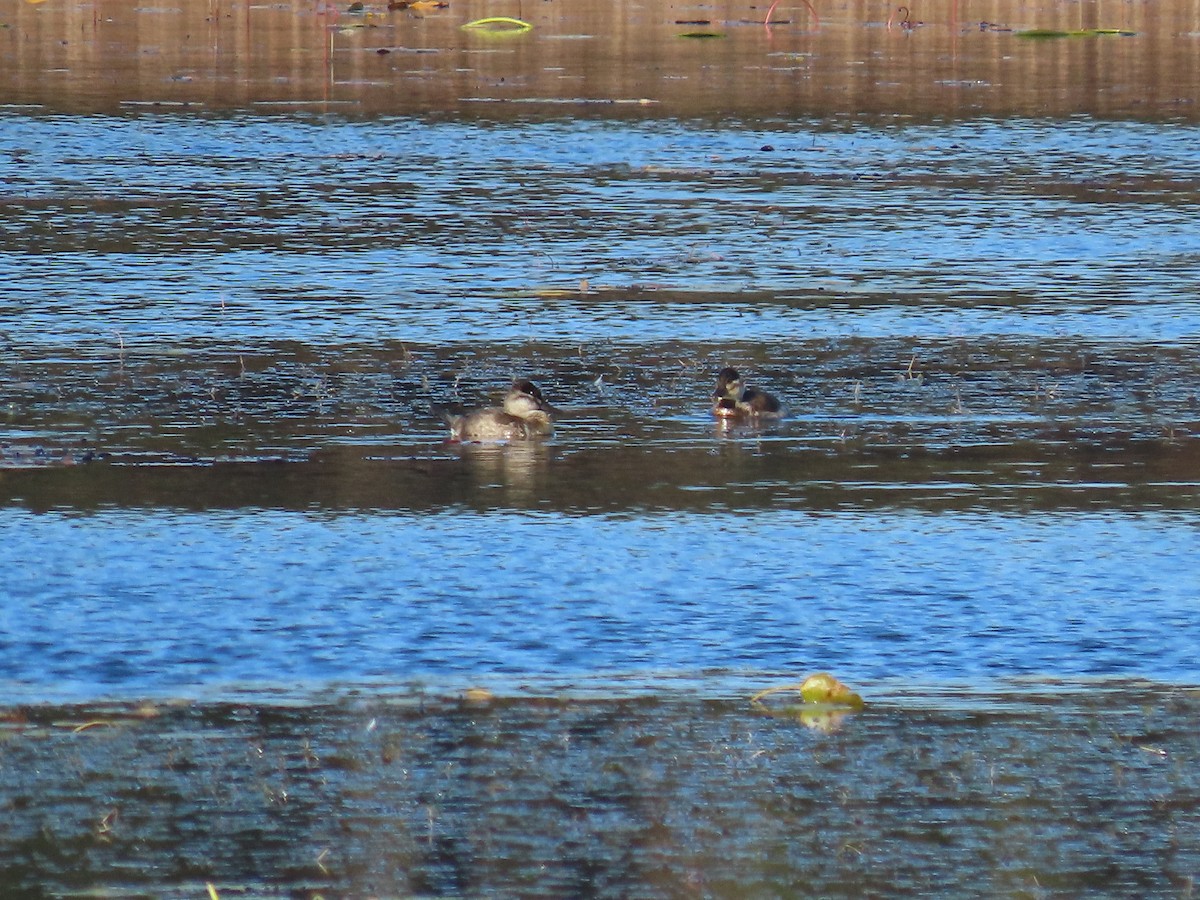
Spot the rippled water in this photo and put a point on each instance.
(138, 604)
(978, 312)
(442, 232)
(247, 582)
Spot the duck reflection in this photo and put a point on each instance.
(517, 469)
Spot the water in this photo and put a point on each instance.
(154, 605)
(350, 231)
(262, 627)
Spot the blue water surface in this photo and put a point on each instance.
(173, 227)
(149, 237)
(132, 603)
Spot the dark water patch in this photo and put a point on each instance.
(745, 473)
(663, 794)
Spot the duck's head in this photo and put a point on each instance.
(525, 401)
(729, 384)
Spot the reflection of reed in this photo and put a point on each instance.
(967, 57)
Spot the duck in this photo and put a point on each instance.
(734, 400)
(525, 415)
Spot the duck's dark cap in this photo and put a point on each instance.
(528, 387)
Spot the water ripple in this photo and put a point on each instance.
(340, 228)
(136, 603)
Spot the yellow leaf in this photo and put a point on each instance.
(821, 688)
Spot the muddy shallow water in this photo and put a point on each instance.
(249, 257)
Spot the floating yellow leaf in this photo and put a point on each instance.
(499, 24)
(825, 702)
(821, 688)
(824, 688)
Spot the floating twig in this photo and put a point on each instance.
(811, 9)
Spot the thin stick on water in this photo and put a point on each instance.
(812, 10)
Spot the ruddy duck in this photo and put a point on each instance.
(733, 400)
(525, 415)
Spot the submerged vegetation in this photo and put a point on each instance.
(365, 793)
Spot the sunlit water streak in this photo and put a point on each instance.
(161, 602)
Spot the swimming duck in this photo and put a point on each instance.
(525, 415)
(734, 400)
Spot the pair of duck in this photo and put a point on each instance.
(526, 415)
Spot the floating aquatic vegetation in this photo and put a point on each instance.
(1086, 32)
(819, 688)
(105, 718)
(701, 35)
(499, 25)
(824, 704)
(477, 696)
(768, 21)
(902, 17)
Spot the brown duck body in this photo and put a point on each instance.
(524, 416)
(734, 400)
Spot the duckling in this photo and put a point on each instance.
(524, 416)
(734, 400)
